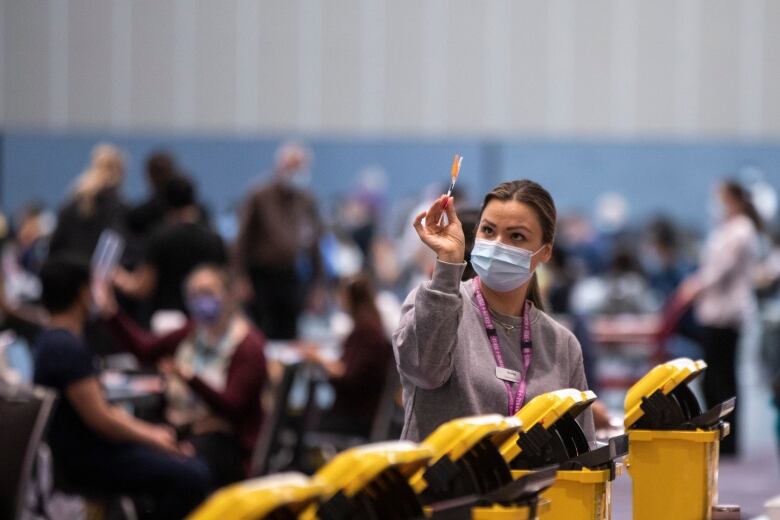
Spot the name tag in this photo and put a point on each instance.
(506, 374)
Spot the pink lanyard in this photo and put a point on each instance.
(526, 345)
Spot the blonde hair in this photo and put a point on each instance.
(106, 170)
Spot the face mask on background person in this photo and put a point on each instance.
(300, 179)
(205, 308)
(501, 267)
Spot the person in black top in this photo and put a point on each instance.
(358, 377)
(95, 205)
(173, 251)
(145, 217)
(97, 446)
(148, 215)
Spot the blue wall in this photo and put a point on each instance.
(672, 177)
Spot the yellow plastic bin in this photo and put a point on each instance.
(519, 499)
(674, 473)
(468, 478)
(577, 493)
(544, 411)
(466, 458)
(583, 493)
(371, 481)
(673, 446)
(278, 496)
(510, 513)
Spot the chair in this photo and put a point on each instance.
(51, 478)
(24, 415)
(382, 426)
(330, 443)
(268, 441)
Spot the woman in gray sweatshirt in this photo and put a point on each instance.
(484, 345)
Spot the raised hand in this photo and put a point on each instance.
(446, 240)
(104, 298)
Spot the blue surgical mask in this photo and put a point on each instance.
(205, 308)
(501, 267)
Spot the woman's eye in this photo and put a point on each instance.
(518, 237)
(486, 230)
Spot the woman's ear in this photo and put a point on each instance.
(546, 253)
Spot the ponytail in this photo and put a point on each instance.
(752, 213)
(745, 201)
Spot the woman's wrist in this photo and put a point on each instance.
(446, 276)
(451, 257)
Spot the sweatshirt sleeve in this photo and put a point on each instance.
(147, 347)
(577, 380)
(428, 330)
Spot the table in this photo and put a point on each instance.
(134, 389)
(288, 352)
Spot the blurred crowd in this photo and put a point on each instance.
(210, 312)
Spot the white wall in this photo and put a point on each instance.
(556, 67)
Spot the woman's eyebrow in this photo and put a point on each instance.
(510, 228)
(519, 226)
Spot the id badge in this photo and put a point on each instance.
(508, 375)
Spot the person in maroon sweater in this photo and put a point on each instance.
(215, 371)
(358, 377)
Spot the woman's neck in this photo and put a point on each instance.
(216, 332)
(510, 303)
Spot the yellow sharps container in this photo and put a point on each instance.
(551, 435)
(278, 497)
(467, 465)
(371, 481)
(673, 446)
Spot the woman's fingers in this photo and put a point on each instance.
(452, 215)
(434, 215)
(418, 225)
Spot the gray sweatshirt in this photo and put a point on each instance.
(446, 362)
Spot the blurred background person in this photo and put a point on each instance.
(24, 249)
(144, 217)
(33, 226)
(95, 204)
(666, 266)
(358, 376)
(722, 292)
(215, 371)
(99, 447)
(360, 211)
(278, 244)
(627, 287)
(664, 261)
(174, 249)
